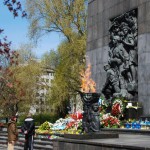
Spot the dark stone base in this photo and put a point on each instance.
(98, 135)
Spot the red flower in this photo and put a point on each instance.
(76, 116)
(110, 121)
(70, 124)
(116, 109)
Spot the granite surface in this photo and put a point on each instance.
(99, 14)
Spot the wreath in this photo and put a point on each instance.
(117, 108)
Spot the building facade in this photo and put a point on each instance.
(44, 84)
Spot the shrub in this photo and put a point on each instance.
(41, 118)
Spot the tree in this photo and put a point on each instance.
(27, 75)
(67, 17)
(26, 54)
(51, 59)
(11, 93)
(63, 16)
(18, 83)
(7, 82)
(8, 58)
(15, 7)
(67, 73)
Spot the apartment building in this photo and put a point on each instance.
(44, 83)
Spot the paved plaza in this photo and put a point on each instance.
(129, 141)
(125, 141)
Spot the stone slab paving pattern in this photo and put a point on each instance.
(136, 141)
(127, 140)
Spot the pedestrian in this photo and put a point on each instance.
(12, 132)
(28, 128)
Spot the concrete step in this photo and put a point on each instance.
(39, 143)
(19, 146)
(45, 147)
(3, 147)
(35, 146)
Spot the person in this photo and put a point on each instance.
(12, 132)
(28, 128)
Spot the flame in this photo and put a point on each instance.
(87, 84)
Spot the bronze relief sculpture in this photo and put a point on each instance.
(121, 69)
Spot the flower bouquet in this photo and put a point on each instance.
(117, 108)
(109, 121)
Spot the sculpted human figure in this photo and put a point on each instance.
(112, 82)
(121, 70)
(131, 19)
(118, 55)
(85, 120)
(90, 121)
(114, 29)
(94, 118)
(129, 45)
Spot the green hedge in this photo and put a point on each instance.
(20, 120)
(39, 118)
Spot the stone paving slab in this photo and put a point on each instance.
(142, 141)
(129, 141)
(126, 141)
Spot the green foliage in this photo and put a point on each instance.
(25, 53)
(20, 82)
(67, 77)
(41, 118)
(69, 18)
(20, 120)
(51, 59)
(44, 126)
(65, 17)
(22, 72)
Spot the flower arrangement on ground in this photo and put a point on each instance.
(117, 108)
(109, 121)
(110, 113)
(72, 124)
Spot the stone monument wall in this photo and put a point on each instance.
(100, 12)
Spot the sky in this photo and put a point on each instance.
(16, 30)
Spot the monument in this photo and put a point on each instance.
(118, 48)
(121, 68)
(91, 118)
